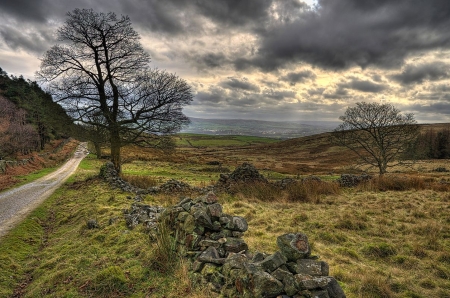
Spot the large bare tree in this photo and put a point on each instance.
(101, 71)
(377, 133)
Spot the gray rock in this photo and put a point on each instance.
(265, 285)
(92, 224)
(210, 255)
(294, 246)
(312, 267)
(238, 224)
(272, 262)
(235, 245)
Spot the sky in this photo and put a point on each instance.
(281, 60)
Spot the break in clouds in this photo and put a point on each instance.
(271, 59)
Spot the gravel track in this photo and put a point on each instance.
(18, 202)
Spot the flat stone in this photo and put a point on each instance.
(312, 267)
(308, 282)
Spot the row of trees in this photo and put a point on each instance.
(29, 117)
(431, 144)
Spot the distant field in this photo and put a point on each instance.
(200, 140)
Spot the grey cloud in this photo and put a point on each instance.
(363, 86)
(338, 93)
(438, 108)
(209, 60)
(298, 77)
(214, 96)
(418, 73)
(341, 34)
(236, 83)
(279, 94)
(28, 39)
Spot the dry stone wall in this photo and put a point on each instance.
(221, 259)
(219, 256)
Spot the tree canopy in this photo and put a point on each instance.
(100, 73)
(377, 133)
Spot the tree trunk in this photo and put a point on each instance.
(98, 150)
(115, 149)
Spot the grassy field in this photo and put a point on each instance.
(379, 242)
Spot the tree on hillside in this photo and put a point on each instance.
(102, 70)
(377, 133)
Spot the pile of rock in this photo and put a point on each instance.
(212, 240)
(143, 214)
(170, 187)
(246, 173)
(350, 180)
(109, 173)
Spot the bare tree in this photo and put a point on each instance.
(101, 69)
(377, 133)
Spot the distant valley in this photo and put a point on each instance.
(272, 129)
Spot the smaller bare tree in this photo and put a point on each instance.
(378, 133)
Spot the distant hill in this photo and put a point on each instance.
(272, 129)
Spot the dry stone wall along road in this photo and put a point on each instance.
(16, 203)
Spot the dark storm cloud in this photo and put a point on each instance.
(344, 33)
(298, 77)
(418, 73)
(363, 86)
(239, 83)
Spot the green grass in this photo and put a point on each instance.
(53, 253)
(377, 243)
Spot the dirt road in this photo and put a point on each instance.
(16, 203)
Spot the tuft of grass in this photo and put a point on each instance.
(165, 258)
(373, 286)
(394, 182)
(311, 191)
(257, 190)
(110, 280)
(379, 250)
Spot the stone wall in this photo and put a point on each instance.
(220, 258)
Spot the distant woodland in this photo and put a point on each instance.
(29, 118)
